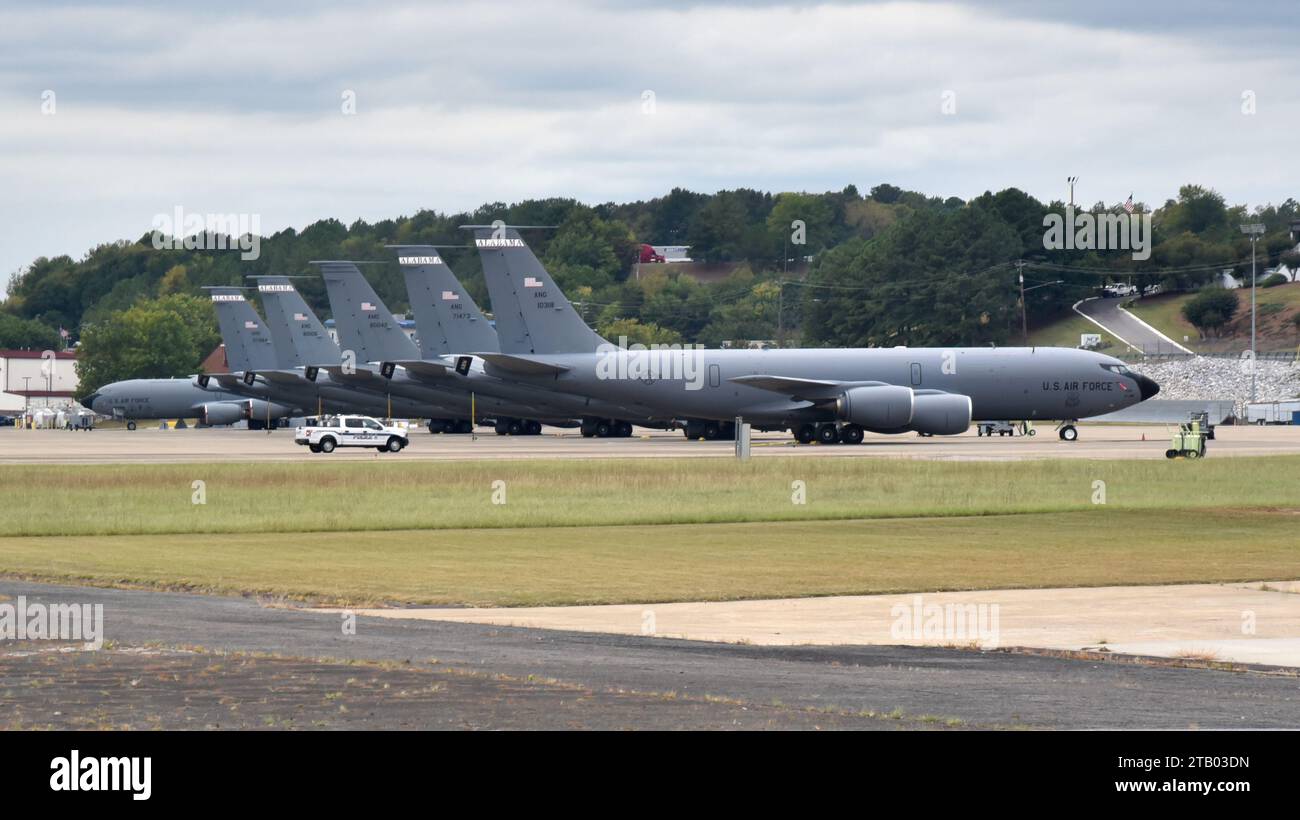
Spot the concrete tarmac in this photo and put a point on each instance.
(916, 684)
(1254, 623)
(153, 446)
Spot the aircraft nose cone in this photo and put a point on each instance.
(1146, 385)
(89, 401)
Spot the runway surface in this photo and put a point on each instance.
(1255, 623)
(152, 446)
(610, 680)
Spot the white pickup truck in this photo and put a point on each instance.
(351, 431)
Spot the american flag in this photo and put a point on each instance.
(531, 282)
(367, 306)
(63, 333)
(300, 317)
(250, 325)
(449, 296)
(1128, 204)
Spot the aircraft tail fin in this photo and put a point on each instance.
(249, 345)
(532, 315)
(300, 337)
(364, 323)
(448, 319)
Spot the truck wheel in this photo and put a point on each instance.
(315, 448)
(327, 445)
(1171, 454)
(394, 444)
(1192, 453)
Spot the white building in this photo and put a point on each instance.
(35, 378)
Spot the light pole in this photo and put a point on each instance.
(1254, 230)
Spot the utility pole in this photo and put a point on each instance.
(1024, 310)
(1254, 230)
(780, 314)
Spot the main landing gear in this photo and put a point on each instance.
(605, 428)
(829, 433)
(709, 430)
(518, 427)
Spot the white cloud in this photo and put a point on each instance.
(467, 103)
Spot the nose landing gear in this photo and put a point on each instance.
(1068, 432)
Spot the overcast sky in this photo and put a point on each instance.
(238, 109)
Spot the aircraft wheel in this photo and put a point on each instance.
(394, 445)
(827, 434)
(603, 429)
(464, 426)
(501, 428)
(1069, 433)
(326, 445)
(1171, 454)
(805, 434)
(624, 429)
(1192, 453)
(712, 430)
(532, 427)
(694, 430)
(130, 425)
(515, 428)
(851, 434)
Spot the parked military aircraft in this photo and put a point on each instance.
(829, 395)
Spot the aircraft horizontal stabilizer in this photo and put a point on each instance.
(424, 368)
(521, 365)
(356, 376)
(800, 389)
(281, 376)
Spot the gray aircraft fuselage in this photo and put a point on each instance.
(1003, 383)
(155, 398)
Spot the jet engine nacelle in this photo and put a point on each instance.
(941, 414)
(259, 410)
(222, 412)
(877, 407)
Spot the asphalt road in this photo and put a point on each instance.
(1101, 441)
(781, 685)
(1125, 327)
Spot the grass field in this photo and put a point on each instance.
(649, 530)
(1276, 307)
(307, 497)
(1066, 332)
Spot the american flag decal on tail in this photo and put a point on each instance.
(449, 296)
(250, 325)
(532, 282)
(300, 317)
(367, 306)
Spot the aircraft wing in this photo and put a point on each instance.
(799, 389)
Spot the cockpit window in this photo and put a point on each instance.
(1117, 369)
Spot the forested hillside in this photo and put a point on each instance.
(891, 267)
